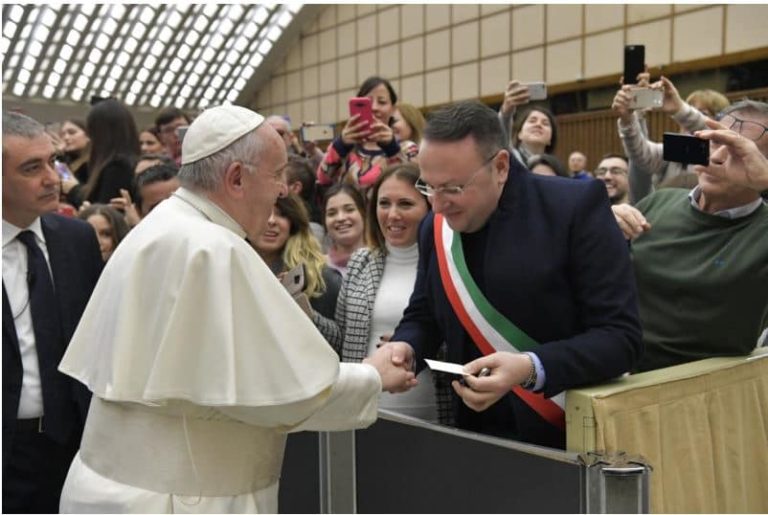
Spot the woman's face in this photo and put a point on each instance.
(381, 103)
(399, 209)
(401, 128)
(75, 139)
(104, 233)
(536, 129)
(343, 221)
(150, 144)
(272, 240)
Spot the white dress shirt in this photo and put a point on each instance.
(15, 270)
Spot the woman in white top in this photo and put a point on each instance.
(379, 283)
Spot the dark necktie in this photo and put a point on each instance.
(50, 348)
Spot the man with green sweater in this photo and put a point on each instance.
(701, 258)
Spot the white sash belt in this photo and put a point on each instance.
(143, 447)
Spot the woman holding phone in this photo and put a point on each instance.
(367, 143)
(287, 242)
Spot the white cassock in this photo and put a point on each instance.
(199, 362)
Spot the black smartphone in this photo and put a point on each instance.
(682, 148)
(634, 62)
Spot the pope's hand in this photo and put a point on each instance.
(394, 362)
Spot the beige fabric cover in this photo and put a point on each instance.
(702, 426)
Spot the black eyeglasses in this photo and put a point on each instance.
(452, 191)
(746, 128)
(615, 170)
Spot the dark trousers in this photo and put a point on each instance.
(34, 473)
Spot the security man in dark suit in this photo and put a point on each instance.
(50, 267)
(522, 275)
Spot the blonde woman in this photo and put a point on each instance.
(287, 242)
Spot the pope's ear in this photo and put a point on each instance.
(233, 179)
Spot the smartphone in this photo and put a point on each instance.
(634, 62)
(317, 133)
(361, 106)
(293, 280)
(63, 170)
(537, 90)
(646, 98)
(682, 148)
(181, 132)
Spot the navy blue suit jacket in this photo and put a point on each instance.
(552, 260)
(75, 260)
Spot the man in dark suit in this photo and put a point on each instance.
(50, 266)
(512, 262)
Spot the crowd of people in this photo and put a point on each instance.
(460, 238)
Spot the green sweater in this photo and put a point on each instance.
(702, 281)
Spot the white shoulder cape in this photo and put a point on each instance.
(186, 309)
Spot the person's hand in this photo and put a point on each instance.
(125, 204)
(508, 369)
(381, 133)
(643, 80)
(631, 221)
(68, 184)
(744, 164)
(354, 132)
(85, 205)
(516, 94)
(621, 103)
(672, 101)
(394, 362)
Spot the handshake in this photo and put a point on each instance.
(395, 364)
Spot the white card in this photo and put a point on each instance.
(444, 366)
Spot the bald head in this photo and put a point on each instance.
(282, 127)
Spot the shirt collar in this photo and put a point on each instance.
(210, 210)
(735, 212)
(10, 231)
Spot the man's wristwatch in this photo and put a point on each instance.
(530, 381)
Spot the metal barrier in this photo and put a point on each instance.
(402, 464)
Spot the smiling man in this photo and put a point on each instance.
(701, 257)
(613, 170)
(529, 271)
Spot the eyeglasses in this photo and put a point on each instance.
(615, 170)
(453, 191)
(751, 130)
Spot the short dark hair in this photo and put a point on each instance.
(163, 158)
(349, 189)
(469, 118)
(611, 155)
(153, 174)
(300, 169)
(520, 120)
(169, 114)
(408, 172)
(549, 160)
(372, 82)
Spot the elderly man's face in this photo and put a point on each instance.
(264, 182)
(713, 186)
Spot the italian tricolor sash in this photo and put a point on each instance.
(490, 330)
